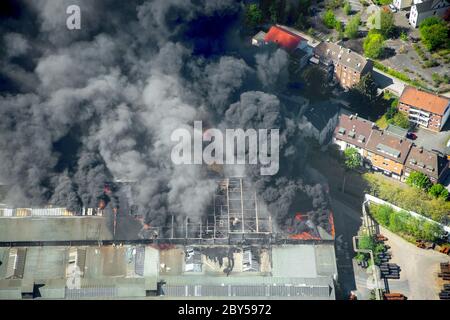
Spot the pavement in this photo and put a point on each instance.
(433, 140)
(347, 222)
(419, 268)
(409, 62)
(388, 82)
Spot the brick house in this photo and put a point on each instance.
(430, 163)
(425, 109)
(388, 151)
(349, 66)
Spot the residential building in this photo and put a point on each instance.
(425, 109)
(320, 120)
(353, 132)
(349, 66)
(421, 10)
(299, 45)
(388, 151)
(434, 165)
(402, 4)
(284, 38)
(258, 39)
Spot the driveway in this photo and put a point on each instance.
(388, 82)
(419, 268)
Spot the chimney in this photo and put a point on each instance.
(356, 116)
(351, 117)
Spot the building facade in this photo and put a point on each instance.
(428, 162)
(349, 66)
(422, 9)
(425, 109)
(388, 151)
(402, 4)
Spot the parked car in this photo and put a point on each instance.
(411, 135)
(393, 8)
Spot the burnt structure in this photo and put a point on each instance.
(236, 216)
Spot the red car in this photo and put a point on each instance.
(411, 135)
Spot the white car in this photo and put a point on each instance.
(393, 8)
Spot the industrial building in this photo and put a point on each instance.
(148, 272)
(234, 251)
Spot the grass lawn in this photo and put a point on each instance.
(382, 122)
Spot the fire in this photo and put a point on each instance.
(300, 217)
(101, 204)
(304, 236)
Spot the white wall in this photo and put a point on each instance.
(415, 18)
(402, 4)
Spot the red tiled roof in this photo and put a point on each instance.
(424, 100)
(283, 38)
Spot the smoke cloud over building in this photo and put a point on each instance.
(82, 108)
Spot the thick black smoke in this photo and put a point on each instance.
(80, 108)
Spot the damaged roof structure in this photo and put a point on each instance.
(237, 215)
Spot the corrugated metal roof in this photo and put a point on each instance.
(263, 290)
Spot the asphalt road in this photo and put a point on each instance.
(347, 222)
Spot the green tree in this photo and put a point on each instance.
(418, 180)
(347, 8)
(387, 25)
(400, 120)
(373, 45)
(367, 87)
(351, 29)
(329, 19)
(434, 33)
(438, 191)
(391, 112)
(352, 158)
(340, 29)
(273, 12)
(302, 22)
(253, 16)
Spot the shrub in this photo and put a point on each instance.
(253, 15)
(373, 45)
(412, 199)
(329, 19)
(434, 33)
(352, 158)
(418, 180)
(347, 8)
(438, 191)
(351, 29)
(403, 223)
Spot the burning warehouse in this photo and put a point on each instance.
(236, 214)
